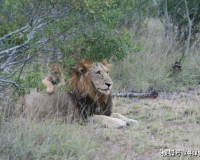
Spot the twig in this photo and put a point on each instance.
(8, 81)
(25, 61)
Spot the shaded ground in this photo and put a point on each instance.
(168, 122)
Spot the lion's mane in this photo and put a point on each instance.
(82, 99)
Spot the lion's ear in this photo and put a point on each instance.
(84, 66)
(81, 69)
(105, 63)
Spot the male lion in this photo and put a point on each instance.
(90, 96)
(54, 76)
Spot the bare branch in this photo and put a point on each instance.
(29, 36)
(13, 72)
(15, 62)
(166, 12)
(198, 40)
(167, 25)
(157, 10)
(15, 32)
(24, 63)
(189, 29)
(14, 48)
(8, 81)
(8, 60)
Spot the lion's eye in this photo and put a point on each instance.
(98, 72)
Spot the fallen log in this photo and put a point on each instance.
(153, 94)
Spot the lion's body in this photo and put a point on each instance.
(64, 105)
(89, 96)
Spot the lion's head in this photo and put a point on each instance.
(91, 78)
(55, 70)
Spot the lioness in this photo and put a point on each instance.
(90, 96)
(54, 76)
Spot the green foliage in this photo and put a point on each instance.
(72, 29)
(93, 31)
(99, 43)
(30, 80)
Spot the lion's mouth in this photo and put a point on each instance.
(104, 91)
(107, 89)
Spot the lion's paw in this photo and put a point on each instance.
(50, 90)
(131, 121)
(116, 123)
(61, 84)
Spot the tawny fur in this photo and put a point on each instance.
(90, 96)
(54, 76)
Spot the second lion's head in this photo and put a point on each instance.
(90, 78)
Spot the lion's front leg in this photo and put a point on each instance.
(49, 85)
(123, 118)
(62, 82)
(109, 121)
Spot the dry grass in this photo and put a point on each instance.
(165, 123)
(169, 122)
(24, 139)
(151, 68)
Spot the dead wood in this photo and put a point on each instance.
(153, 94)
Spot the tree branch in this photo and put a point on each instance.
(15, 32)
(29, 36)
(189, 29)
(157, 10)
(8, 81)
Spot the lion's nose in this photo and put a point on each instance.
(108, 84)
